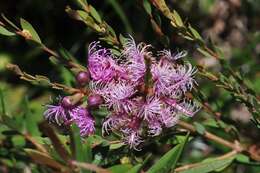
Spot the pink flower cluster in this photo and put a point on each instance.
(145, 93)
(65, 113)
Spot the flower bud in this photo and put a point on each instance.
(83, 78)
(95, 100)
(66, 102)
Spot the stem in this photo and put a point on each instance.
(48, 50)
(225, 156)
(233, 145)
(90, 167)
(39, 146)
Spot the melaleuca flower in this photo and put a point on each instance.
(55, 113)
(135, 59)
(102, 66)
(64, 114)
(132, 138)
(151, 95)
(145, 94)
(150, 108)
(84, 120)
(118, 96)
(167, 54)
(169, 117)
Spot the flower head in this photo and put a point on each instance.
(55, 113)
(102, 66)
(84, 120)
(144, 94)
(150, 108)
(135, 59)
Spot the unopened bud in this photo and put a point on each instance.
(66, 102)
(94, 100)
(83, 78)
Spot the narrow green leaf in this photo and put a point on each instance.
(116, 146)
(242, 158)
(30, 121)
(199, 128)
(195, 33)
(120, 168)
(83, 3)
(95, 14)
(18, 141)
(27, 26)
(177, 18)
(135, 169)
(147, 7)
(121, 14)
(5, 32)
(2, 102)
(82, 152)
(210, 165)
(169, 160)
(9, 22)
(205, 53)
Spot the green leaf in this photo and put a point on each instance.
(205, 53)
(121, 14)
(195, 33)
(120, 168)
(135, 169)
(27, 26)
(18, 141)
(169, 160)
(210, 165)
(9, 22)
(177, 18)
(30, 119)
(199, 128)
(5, 32)
(147, 7)
(116, 146)
(2, 102)
(82, 152)
(95, 14)
(95, 140)
(242, 158)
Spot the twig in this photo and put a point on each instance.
(189, 166)
(90, 167)
(233, 145)
(35, 143)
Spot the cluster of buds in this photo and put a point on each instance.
(144, 93)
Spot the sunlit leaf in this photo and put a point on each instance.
(5, 32)
(27, 26)
(95, 14)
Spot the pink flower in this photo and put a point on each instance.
(62, 114)
(151, 108)
(135, 59)
(84, 120)
(102, 66)
(118, 96)
(169, 117)
(167, 54)
(55, 113)
(133, 139)
(187, 107)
